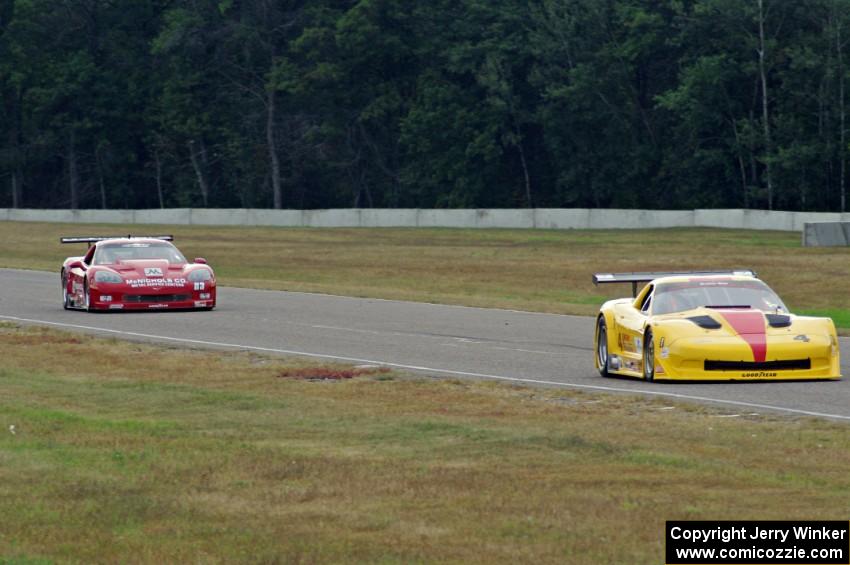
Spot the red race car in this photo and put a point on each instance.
(135, 273)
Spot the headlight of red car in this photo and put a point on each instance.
(200, 275)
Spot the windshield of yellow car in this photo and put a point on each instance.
(675, 297)
(114, 253)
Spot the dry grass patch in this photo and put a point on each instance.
(541, 270)
(129, 452)
(331, 373)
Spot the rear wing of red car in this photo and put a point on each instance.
(635, 278)
(95, 239)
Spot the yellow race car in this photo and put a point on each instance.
(712, 325)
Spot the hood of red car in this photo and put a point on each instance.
(148, 269)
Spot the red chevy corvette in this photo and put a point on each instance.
(135, 273)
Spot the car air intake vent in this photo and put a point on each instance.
(706, 322)
(156, 298)
(790, 365)
(778, 320)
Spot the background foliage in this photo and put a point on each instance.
(391, 103)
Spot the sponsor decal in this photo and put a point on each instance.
(205, 295)
(665, 352)
(153, 272)
(200, 303)
(116, 306)
(136, 283)
(199, 285)
(628, 343)
(759, 374)
(638, 343)
(158, 306)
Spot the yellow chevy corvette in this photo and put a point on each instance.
(709, 326)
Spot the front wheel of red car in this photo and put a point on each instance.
(86, 296)
(648, 356)
(66, 300)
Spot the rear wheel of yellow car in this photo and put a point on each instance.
(602, 346)
(648, 355)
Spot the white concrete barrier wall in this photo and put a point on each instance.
(103, 216)
(219, 217)
(540, 218)
(446, 218)
(343, 218)
(562, 218)
(719, 218)
(180, 216)
(386, 218)
(278, 218)
(504, 218)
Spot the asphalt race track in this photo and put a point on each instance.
(519, 347)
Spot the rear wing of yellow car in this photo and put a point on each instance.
(635, 278)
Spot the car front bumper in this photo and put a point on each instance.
(725, 359)
(106, 299)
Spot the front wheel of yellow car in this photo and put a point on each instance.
(648, 355)
(602, 346)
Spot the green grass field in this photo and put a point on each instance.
(153, 454)
(124, 452)
(541, 270)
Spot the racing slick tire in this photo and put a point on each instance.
(86, 296)
(648, 356)
(602, 346)
(66, 300)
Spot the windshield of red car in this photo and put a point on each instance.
(114, 253)
(680, 296)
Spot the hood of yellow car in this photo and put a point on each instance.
(752, 326)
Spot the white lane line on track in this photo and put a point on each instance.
(436, 370)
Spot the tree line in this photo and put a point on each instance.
(446, 103)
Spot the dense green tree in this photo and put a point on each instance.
(386, 103)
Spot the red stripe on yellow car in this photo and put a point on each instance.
(750, 327)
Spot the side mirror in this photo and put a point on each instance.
(75, 265)
(200, 260)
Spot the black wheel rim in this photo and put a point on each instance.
(602, 346)
(649, 361)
